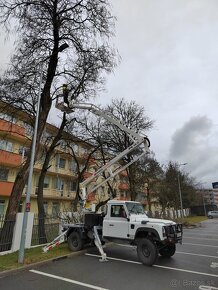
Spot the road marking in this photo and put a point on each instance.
(200, 245)
(202, 287)
(201, 255)
(200, 238)
(197, 234)
(200, 232)
(214, 265)
(68, 280)
(185, 253)
(157, 266)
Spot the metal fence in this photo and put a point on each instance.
(45, 229)
(6, 233)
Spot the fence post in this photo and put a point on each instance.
(18, 229)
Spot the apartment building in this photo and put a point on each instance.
(60, 183)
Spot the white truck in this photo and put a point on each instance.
(123, 222)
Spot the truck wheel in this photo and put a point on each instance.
(168, 251)
(147, 252)
(75, 243)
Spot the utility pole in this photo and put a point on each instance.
(29, 185)
(180, 193)
(32, 159)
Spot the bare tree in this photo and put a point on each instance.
(44, 30)
(133, 116)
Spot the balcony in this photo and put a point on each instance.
(12, 129)
(56, 194)
(123, 186)
(123, 173)
(9, 158)
(87, 175)
(6, 188)
(91, 197)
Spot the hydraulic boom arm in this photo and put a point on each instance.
(135, 137)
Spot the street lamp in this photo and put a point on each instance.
(180, 192)
(32, 159)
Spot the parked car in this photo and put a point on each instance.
(212, 214)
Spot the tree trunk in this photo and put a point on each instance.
(40, 198)
(41, 211)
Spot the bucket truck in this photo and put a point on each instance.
(124, 222)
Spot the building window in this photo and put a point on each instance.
(28, 128)
(4, 174)
(61, 162)
(8, 118)
(45, 204)
(23, 151)
(59, 184)
(6, 145)
(46, 182)
(73, 166)
(55, 208)
(2, 207)
(73, 185)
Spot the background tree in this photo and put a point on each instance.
(88, 129)
(133, 116)
(168, 192)
(44, 30)
(153, 174)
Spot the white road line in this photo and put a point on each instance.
(157, 266)
(67, 280)
(197, 234)
(202, 287)
(201, 231)
(199, 238)
(200, 245)
(201, 255)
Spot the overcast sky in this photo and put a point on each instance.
(169, 65)
(169, 51)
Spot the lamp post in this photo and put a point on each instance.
(180, 193)
(29, 185)
(32, 158)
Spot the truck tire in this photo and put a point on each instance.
(75, 243)
(168, 251)
(147, 251)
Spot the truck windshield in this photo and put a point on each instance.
(135, 208)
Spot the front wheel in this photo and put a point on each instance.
(168, 251)
(75, 243)
(147, 251)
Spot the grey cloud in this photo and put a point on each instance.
(192, 144)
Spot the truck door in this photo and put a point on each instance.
(116, 224)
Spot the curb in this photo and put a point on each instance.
(37, 264)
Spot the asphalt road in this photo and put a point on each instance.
(194, 266)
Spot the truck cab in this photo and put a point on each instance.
(126, 222)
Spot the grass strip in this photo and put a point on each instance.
(33, 255)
